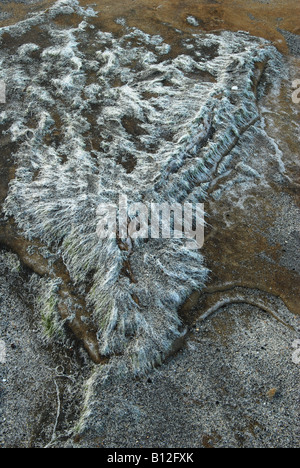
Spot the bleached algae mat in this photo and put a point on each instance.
(142, 341)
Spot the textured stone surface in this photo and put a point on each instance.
(244, 389)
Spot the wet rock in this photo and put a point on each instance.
(106, 106)
(59, 183)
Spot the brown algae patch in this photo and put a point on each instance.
(155, 17)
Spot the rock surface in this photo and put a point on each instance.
(233, 382)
